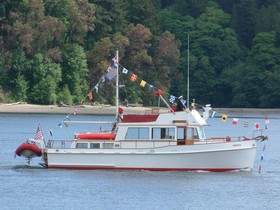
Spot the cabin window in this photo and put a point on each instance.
(82, 145)
(195, 136)
(137, 133)
(108, 145)
(94, 145)
(181, 133)
(163, 133)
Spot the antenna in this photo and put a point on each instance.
(117, 83)
(188, 84)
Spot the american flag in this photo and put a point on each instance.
(39, 133)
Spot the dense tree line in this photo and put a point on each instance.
(57, 50)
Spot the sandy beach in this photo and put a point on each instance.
(110, 110)
(87, 109)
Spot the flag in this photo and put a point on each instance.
(133, 78)
(143, 83)
(257, 125)
(51, 132)
(90, 96)
(116, 61)
(213, 114)
(224, 118)
(172, 99)
(60, 125)
(96, 88)
(111, 73)
(262, 157)
(150, 86)
(234, 121)
(246, 123)
(38, 134)
(260, 169)
(266, 121)
(75, 110)
(124, 71)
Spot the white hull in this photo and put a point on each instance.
(210, 157)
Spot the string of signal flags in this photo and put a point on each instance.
(111, 73)
(246, 123)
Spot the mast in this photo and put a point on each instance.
(188, 84)
(117, 83)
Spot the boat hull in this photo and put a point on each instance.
(208, 157)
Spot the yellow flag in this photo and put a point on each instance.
(224, 118)
(143, 83)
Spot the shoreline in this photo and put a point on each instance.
(111, 110)
(23, 108)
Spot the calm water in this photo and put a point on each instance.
(33, 187)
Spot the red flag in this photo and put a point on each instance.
(260, 168)
(133, 78)
(39, 133)
(234, 121)
(90, 96)
(257, 125)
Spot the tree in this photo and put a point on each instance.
(75, 71)
(44, 77)
(145, 13)
(192, 8)
(166, 58)
(244, 21)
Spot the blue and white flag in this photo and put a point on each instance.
(213, 114)
(96, 88)
(150, 86)
(124, 71)
(172, 99)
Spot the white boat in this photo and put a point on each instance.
(154, 141)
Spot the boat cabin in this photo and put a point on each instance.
(143, 136)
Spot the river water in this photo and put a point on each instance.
(33, 187)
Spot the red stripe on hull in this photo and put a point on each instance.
(147, 169)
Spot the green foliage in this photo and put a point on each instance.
(64, 96)
(21, 89)
(75, 71)
(56, 50)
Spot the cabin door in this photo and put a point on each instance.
(190, 136)
(185, 136)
